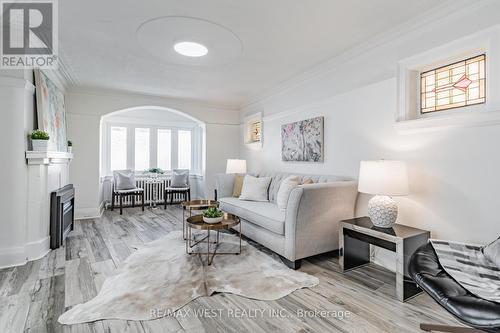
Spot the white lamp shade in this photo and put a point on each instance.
(236, 166)
(383, 177)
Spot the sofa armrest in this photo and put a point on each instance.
(313, 214)
(224, 184)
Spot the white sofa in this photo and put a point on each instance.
(307, 227)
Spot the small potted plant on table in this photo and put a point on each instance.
(213, 215)
(70, 146)
(39, 140)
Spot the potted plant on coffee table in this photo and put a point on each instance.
(39, 140)
(213, 215)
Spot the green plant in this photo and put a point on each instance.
(213, 212)
(155, 170)
(70, 144)
(39, 135)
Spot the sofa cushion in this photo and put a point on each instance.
(287, 185)
(277, 177)
(255, 189)
(263, 214)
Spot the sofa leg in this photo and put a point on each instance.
(292, 264)
(447, 328)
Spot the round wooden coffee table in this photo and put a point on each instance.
(195, 205)
(196, 222)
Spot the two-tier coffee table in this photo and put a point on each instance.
(196, 222)
(195, 205)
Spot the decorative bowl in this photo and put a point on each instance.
(212, 219)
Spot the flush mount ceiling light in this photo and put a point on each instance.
(222, 45)
(191, 49)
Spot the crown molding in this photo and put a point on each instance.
(63, 76)
(448, 10)
(96, 91)
(65, 70)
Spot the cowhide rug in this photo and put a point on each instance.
(160, 278)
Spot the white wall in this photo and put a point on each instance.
(84, 111)
(17, 120)
(453, 173)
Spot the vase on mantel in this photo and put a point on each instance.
(40, 145)
(70, 149)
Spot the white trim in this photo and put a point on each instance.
(408, 117)
(89, 213)
(37, 249)
(448, 121)
(20, 255)
(48, 157)
(57, 78)
(13, 256)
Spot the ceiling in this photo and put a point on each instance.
(255, 44)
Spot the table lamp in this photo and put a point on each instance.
(384, 179)
(236, 166)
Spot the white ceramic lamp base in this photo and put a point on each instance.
(383, 211)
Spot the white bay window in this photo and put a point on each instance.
(118, 148)
(184, 149)
(140, 147)
(164, 149)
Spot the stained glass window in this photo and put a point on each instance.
(456, 85)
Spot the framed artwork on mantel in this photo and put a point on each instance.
(51, 112)
(302, 141)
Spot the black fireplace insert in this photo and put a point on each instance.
(62, 212)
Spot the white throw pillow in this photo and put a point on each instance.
(286, 186)
(180, 178)
(255, 189)
(124, 179)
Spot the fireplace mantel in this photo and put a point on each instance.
(47, 172)
(48, 157)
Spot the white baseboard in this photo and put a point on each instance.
(14, 256)
(38, 249)
(89, 213)
(20, 255)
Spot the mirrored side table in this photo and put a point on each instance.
(356, 235)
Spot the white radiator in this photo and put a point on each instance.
(149, 192)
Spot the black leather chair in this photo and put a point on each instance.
(480, 314)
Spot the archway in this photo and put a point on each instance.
(155, 122)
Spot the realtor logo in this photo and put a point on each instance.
(29, 34)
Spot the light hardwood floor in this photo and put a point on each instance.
(34, 295)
